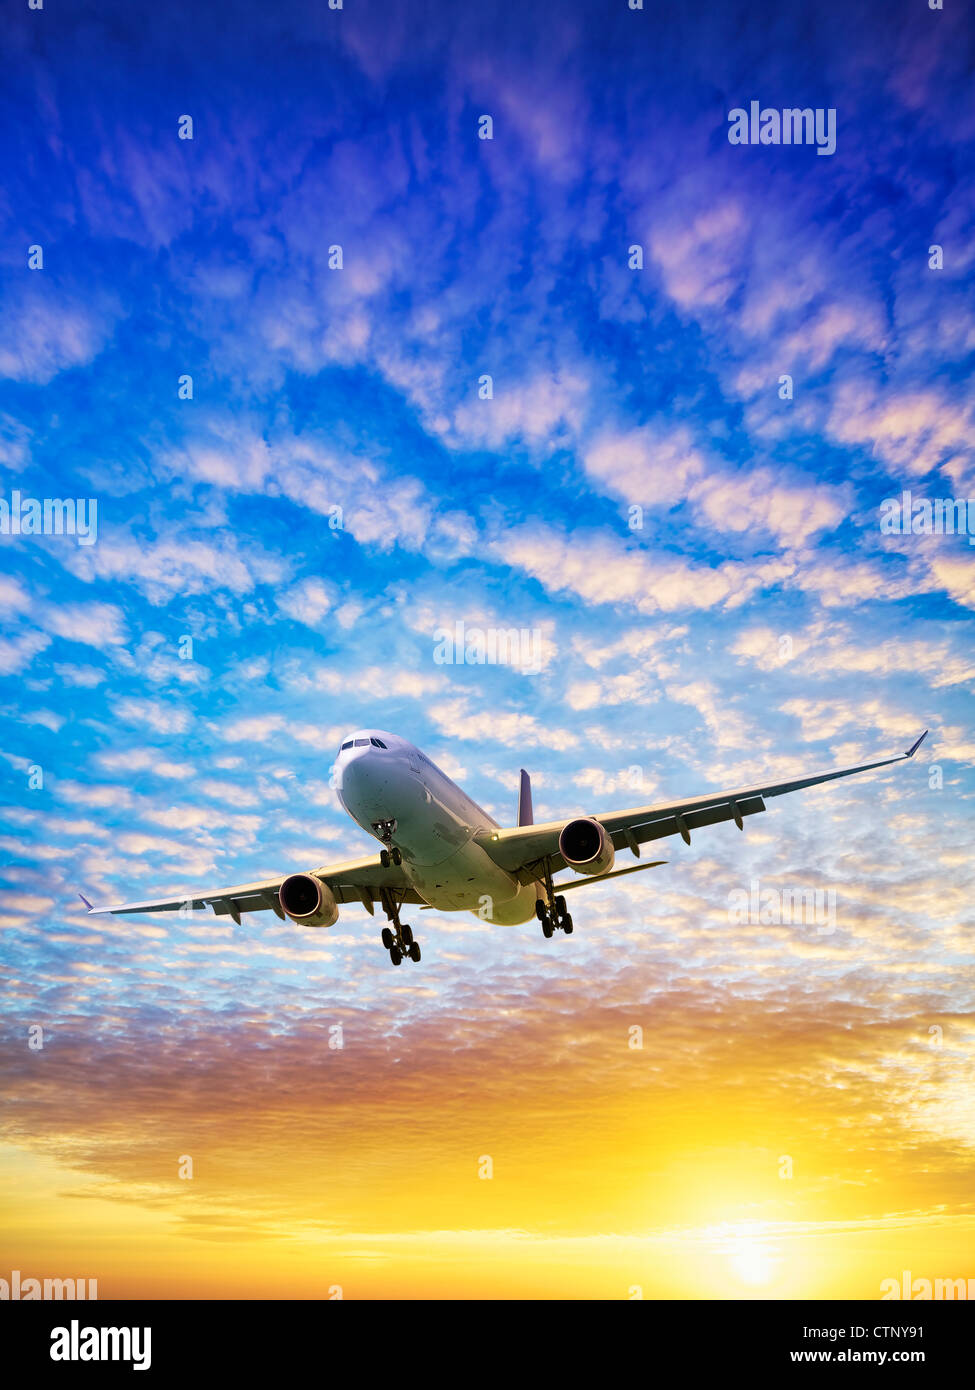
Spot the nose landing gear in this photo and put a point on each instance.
(398, 937)
(386, 829)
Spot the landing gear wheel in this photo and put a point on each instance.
(397, 937)
(396, 857)
(553, 918)
(384, 858)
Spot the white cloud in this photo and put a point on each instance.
(913, 431)
(763, 499)
(45, 717)
(602, 569)
(651, 466)
(546, 410)
(308, 602)
(43, 333)
(95, 624)
(145, 760)
(14, 598)
(956, 575)
(358, 495)
(701, 260)
(16, 653)
(514, 730)
(85, 676)
(175, 564)
(656, 466)
(159, 715)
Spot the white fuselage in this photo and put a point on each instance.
(384, 782)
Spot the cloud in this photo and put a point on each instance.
(16, 653)
(93, 624)
(162, 716)
(825, 649)
(357, 494)
(86, 677)
(547, 410)
(956, 575)
(824, 719)
(175, 564)
(914, 432)
(14, 598)
(46, 331)
(308, 602)
(510, 728)
(765, 499)
(701, 261)
(50, 719)
(604, 570)
(650, 466)
(654, 466)
(130, 760)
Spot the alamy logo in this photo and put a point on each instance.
(793, 125)
(493, 646)
(49, 516)
(77, 1343)
(922, 516)
(783, 907)
(19, 1290)
(920, 1290)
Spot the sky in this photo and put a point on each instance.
(337, 374)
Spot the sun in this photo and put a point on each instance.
(752, 1262)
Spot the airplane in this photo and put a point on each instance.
(441, 850)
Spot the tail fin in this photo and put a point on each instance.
(525, 800)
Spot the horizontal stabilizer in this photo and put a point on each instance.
(616, 873)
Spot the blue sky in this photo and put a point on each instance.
(757, 621)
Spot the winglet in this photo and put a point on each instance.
(85, 901)
(915, 746)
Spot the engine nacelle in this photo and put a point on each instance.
(586, 846)
(308, 901)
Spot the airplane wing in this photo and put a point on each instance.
(524, 850)
(358, 881)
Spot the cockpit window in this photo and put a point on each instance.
(345, 746)
(377, 743)
(362, 743)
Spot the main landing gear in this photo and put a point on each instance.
(552, 920)
(398, 937)
(551, 910)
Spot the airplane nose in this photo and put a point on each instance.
(363, 776)
(372, 785)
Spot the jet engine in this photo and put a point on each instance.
(308, 901)
(585, 846)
